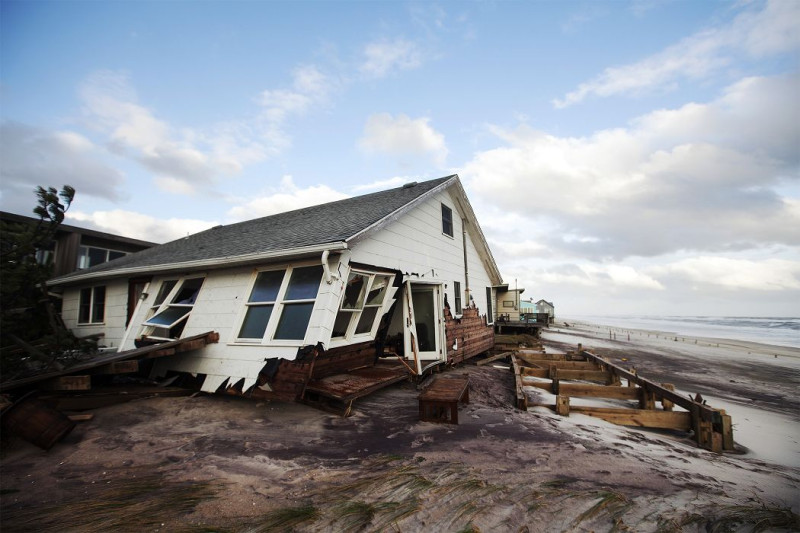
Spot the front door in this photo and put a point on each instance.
(423, 318)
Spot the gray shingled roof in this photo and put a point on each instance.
(320, 224)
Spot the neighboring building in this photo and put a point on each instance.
(543, 306)
(508, 303)
(80, 248)
(405, 271)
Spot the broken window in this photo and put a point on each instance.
(363, 298)
(457, 299)
(289, 295)
(171, 308)
(447, 220)
(92, 306)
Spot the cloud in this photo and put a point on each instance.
(703, 177)
(382, 58)
(138, 226)
(34, 156)
(752, 34)
(285, 198)
(191, 156)
(403, 136)
(590, 275)
(380, 185)
(734, 274)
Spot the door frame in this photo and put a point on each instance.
(410, 337)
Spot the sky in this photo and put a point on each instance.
(637, 157)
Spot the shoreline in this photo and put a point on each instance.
(665, 339)
(618, 324)
(755, 383)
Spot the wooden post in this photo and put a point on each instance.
(554, 377)
(632, 383)
(727, 432)
(562, 405)
(647, 400)
(667, 404)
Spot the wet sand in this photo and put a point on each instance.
(229, 464)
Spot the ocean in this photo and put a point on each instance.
(780, 331)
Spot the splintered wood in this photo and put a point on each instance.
(583, 374)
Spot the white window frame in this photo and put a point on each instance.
(458, 305)
(278, 306)
(157, 308)
(350, 333)
(93, 302)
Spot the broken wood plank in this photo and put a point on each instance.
(118, 367)
(66, 383)
(493, 358)
(81, 418)
(110, 396)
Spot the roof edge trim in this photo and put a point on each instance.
(205, 263)
(397, 213)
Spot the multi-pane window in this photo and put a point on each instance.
(89, 256)
(289, 296)
(447, 220)
(171, 308)
(364, 295)
(92, 306)
(457, 289)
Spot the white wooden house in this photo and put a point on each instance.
(404, 273)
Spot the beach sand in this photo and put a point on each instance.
(230, 464)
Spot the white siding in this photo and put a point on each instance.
(116, 311)
(415, 244)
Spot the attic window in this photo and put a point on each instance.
(171, 308)
(447, 220)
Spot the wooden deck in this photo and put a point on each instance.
(360, 382)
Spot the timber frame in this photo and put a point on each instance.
(711, 428)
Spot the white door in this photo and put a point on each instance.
(422, 312)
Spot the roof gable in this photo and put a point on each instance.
(272, 236)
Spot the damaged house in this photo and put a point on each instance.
(389, 284)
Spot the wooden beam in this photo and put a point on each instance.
(118, 367)
(525, 354)
(640, 417)
(535, 372)
(579, 390)
(64, 383)
(584, 375)
(571, 365)
(494, 358)
(546, 385)
(522, 400)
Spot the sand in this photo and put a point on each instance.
(230, 464)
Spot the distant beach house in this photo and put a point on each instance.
(543, 306)
(508, 303)
(404, 274)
